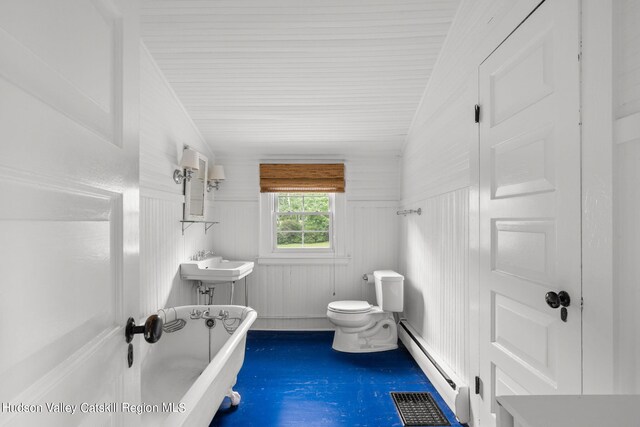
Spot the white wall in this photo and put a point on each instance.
(626, 185)
(164, 129)
(296, 296)
(436, 174)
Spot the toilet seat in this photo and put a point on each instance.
(350, 307)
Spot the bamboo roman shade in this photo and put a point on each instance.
(302, 178)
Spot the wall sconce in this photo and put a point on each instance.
(189, 163)
(216, 174)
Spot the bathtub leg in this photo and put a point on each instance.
(234, 396)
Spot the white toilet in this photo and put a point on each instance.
(365, 328)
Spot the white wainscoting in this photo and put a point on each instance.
(162, 249)
(434, 259)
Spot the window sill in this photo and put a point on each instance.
(301, 259)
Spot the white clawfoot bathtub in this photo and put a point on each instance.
(195, 364)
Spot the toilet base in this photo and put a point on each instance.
(382, 336)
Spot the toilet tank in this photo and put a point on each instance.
(389, 290)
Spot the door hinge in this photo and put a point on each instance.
(478, 385)
(477, 113)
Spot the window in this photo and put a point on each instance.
(303, 215)
(302, 221)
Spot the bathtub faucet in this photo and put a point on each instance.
(197, 314)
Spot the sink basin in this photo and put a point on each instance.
(215, 269)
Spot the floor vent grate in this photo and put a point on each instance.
(418, 409)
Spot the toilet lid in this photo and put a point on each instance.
(350, 306)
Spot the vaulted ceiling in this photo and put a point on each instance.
(298, 76)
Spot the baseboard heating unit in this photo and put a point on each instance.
(454, 392)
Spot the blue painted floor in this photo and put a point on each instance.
(296, 379)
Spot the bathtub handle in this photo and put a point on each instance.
(152, 329)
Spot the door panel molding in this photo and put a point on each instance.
(96, 105)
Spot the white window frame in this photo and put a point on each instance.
(274, 226)
(270, 254)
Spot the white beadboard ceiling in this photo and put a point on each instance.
(298, 76)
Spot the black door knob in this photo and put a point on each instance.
(152, 329)
(552, 299)
(564, 298)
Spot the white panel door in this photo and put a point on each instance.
(530, 209)
(69, 210)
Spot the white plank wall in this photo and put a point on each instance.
(626, 186)
(162, 249)
(164, 128)
(296, 296)
(434, 259)
(436, 157)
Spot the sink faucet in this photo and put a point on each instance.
(200, 255)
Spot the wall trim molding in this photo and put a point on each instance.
(390, 204)
(406, 203)
(238, 201)
(150, 193)
(307, 260)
